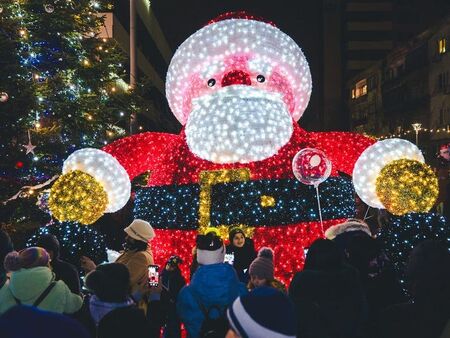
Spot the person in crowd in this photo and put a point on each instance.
(33, 283)
(123, 322)
(242, 253)
(63, 271)
(262, 271)
(378, 277)
(213, 288)
(23, 321)
(162, 312)
(248, 316)
(194, 264)
(327, 294)
(137, 255)
(109, 285)
(6, 247)
(428, 277)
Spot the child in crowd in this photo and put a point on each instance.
(242, 253)
(262, 271)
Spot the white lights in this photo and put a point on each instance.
(254, 47)
(373, 159)
(238, 123)
(106, 170)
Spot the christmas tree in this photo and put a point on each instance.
(61, 88)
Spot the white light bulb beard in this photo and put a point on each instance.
(238, 124)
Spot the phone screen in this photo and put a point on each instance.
(153, 275)
(229, 258)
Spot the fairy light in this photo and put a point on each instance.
(77, 196)
(369, 165)
(405, 186)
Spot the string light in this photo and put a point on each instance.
(75, 241)
(405, 186)
(77, 196)
(402, 234)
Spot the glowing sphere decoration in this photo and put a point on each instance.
(311, 166)
(405, 186)
(49, 8)
(106, 170)
(373, 159)
(77, 196)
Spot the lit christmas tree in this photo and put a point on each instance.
(61, 88)
(404, 233)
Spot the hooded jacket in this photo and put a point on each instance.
(214, 284)
(28, 284)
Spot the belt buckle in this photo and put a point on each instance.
(207, 179)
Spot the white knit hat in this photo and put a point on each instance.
(140, 230)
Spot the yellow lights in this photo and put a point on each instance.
(405, 186)
(207, 180)
(267, 201)
(442, 45)
(104, 40)
(30, 192)
(110, 133)
(77, 196)
(100, 48)
(223, 230)
(89, 117)
(113, 89)
(23, 32)
(86, 63)
(37, 125)
(141, 128)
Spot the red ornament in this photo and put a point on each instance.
(19, 164)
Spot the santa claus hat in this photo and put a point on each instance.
(265, 49)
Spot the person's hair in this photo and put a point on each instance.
(233, 232)
(109, 282)
(361, 249)
(323, 255)
(49, 242)
(428, 272)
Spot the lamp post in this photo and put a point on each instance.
(417, 127)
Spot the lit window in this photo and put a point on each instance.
(442, 45)
(360, 89)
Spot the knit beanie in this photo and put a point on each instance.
(26, 259)
(210, 249)
(249, 317)
(262, 266)
(50, 243)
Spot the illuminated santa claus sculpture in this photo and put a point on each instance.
(238, 86)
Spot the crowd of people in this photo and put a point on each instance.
(348, 288)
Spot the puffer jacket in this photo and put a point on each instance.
(28, 284)
(215, 284)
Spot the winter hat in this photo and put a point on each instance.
(140, 230)
(248, 315)
(174, 260)
(110, 282)
(233, 233)
(352, 224)
(26, 259)
(210, 249)
(262, 266)
(39, 324)
(50, 243)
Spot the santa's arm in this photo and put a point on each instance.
(141, 152)
(342, 148)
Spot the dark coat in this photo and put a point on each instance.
(67, 273)
(243, 257)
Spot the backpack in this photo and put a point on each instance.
(213, 327)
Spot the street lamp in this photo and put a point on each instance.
(417, 127)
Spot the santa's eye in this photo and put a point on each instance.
(260, 78)
(211, 82)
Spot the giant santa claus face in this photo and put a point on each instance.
(237, 86)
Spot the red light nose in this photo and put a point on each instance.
(236, 77)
